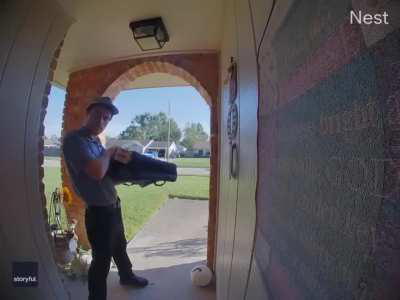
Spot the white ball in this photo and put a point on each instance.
(201, 275)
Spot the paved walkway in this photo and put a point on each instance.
(176, 233)
(164, 251)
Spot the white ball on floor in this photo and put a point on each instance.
(201, 275)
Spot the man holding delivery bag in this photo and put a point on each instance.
(87, 163)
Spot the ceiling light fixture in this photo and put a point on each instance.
(150, 34)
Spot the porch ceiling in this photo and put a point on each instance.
(101, 32)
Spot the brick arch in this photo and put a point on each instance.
(200, 70)
(146, 68)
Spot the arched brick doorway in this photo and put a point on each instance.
(123, 81)
(199, 70)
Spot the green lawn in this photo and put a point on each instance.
(192, 162)
(139, 204)
(195, 187)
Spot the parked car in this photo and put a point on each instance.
(152, 154)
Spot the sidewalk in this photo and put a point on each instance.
(194, 171)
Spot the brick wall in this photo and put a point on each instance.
(45, 102)
(200, 70)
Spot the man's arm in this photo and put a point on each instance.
(97, 168)
(77, 153)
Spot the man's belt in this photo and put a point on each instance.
(116, 204)
(105, 207)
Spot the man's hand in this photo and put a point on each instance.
(97, 168)
(122, 155)
(111, 151)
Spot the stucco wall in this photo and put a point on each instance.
(328, 203)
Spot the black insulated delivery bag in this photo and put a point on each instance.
(142, 170)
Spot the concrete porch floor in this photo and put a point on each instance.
(164, 251)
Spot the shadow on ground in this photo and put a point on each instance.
(170, 283)
(181, 248)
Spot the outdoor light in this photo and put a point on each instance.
(150, 34)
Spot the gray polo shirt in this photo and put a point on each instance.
(78, 148)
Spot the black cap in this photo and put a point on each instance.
(105, 102)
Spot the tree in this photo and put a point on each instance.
(194, 133)
(151, 127)
(54, 138)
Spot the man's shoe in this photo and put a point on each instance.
(134, 280)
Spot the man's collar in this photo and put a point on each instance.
(86, 132)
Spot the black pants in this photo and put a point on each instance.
(105, 232)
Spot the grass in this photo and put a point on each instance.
(194, 187)
(139, 204)
(192, 162)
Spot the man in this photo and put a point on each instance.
(87, 163)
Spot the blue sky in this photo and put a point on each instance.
(186, 106)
